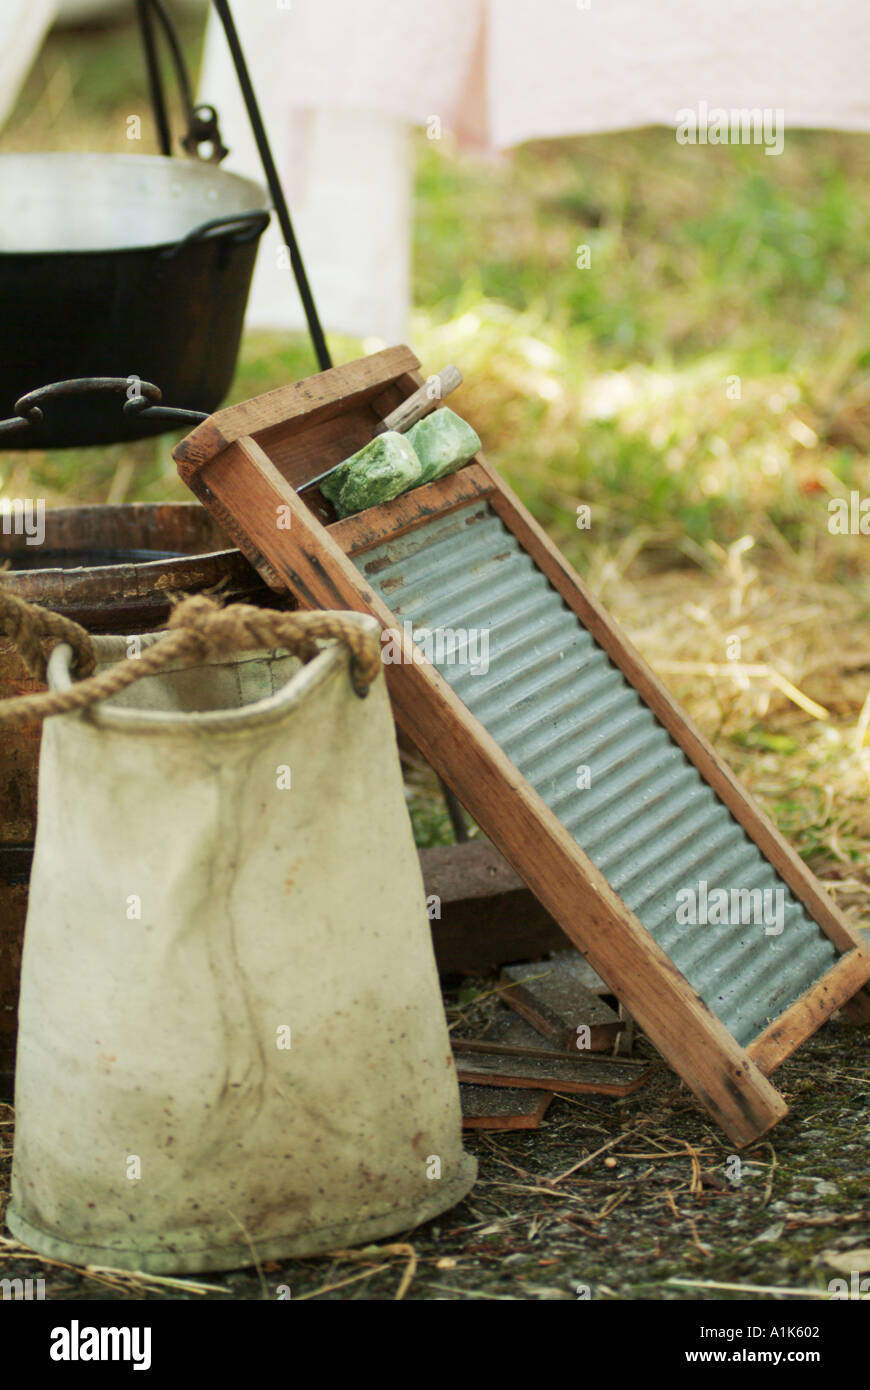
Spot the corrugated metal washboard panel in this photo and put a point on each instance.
(565, 715)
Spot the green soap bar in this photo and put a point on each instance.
(378, 472)
(444, 442)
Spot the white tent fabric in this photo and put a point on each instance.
(23, 26)
(347, 176)
(503, 71)
(558, 70)
(340, 82)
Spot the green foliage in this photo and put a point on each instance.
(758, 737)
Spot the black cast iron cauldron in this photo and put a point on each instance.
(111, 265)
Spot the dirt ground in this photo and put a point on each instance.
(655, 1204)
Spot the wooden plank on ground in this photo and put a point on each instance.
(600, 1076)
(506, 1032)
(497, 1107)
(486, 916)
(551, 994)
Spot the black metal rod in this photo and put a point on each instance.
(155, 82)
(159, 9)
(318, 479)
(277, 193)
(456, 814)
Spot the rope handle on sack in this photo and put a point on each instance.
(198, 629)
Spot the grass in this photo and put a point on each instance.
(702, 385)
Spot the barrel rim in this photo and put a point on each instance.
(133, 580)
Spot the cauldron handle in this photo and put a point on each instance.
(202, 120)
(28, 408)
(252, 225)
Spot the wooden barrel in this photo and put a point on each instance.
(113, 569)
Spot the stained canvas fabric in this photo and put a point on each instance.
(232, 1045)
